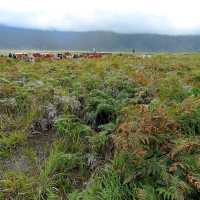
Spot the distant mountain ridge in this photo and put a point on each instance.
(21, 38)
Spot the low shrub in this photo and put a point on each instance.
(61, 174)
(190, 122)
(71, 127)
(8, 143)
(171, 89)
(107, 184)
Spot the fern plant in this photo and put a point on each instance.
(190, 122)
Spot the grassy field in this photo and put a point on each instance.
(116, 128)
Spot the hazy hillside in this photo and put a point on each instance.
(18, 38)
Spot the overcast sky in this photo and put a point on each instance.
(127, 16)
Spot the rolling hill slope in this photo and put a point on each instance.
(19, 38)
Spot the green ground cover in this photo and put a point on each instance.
(120, 127)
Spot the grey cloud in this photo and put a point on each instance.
(135, 23)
